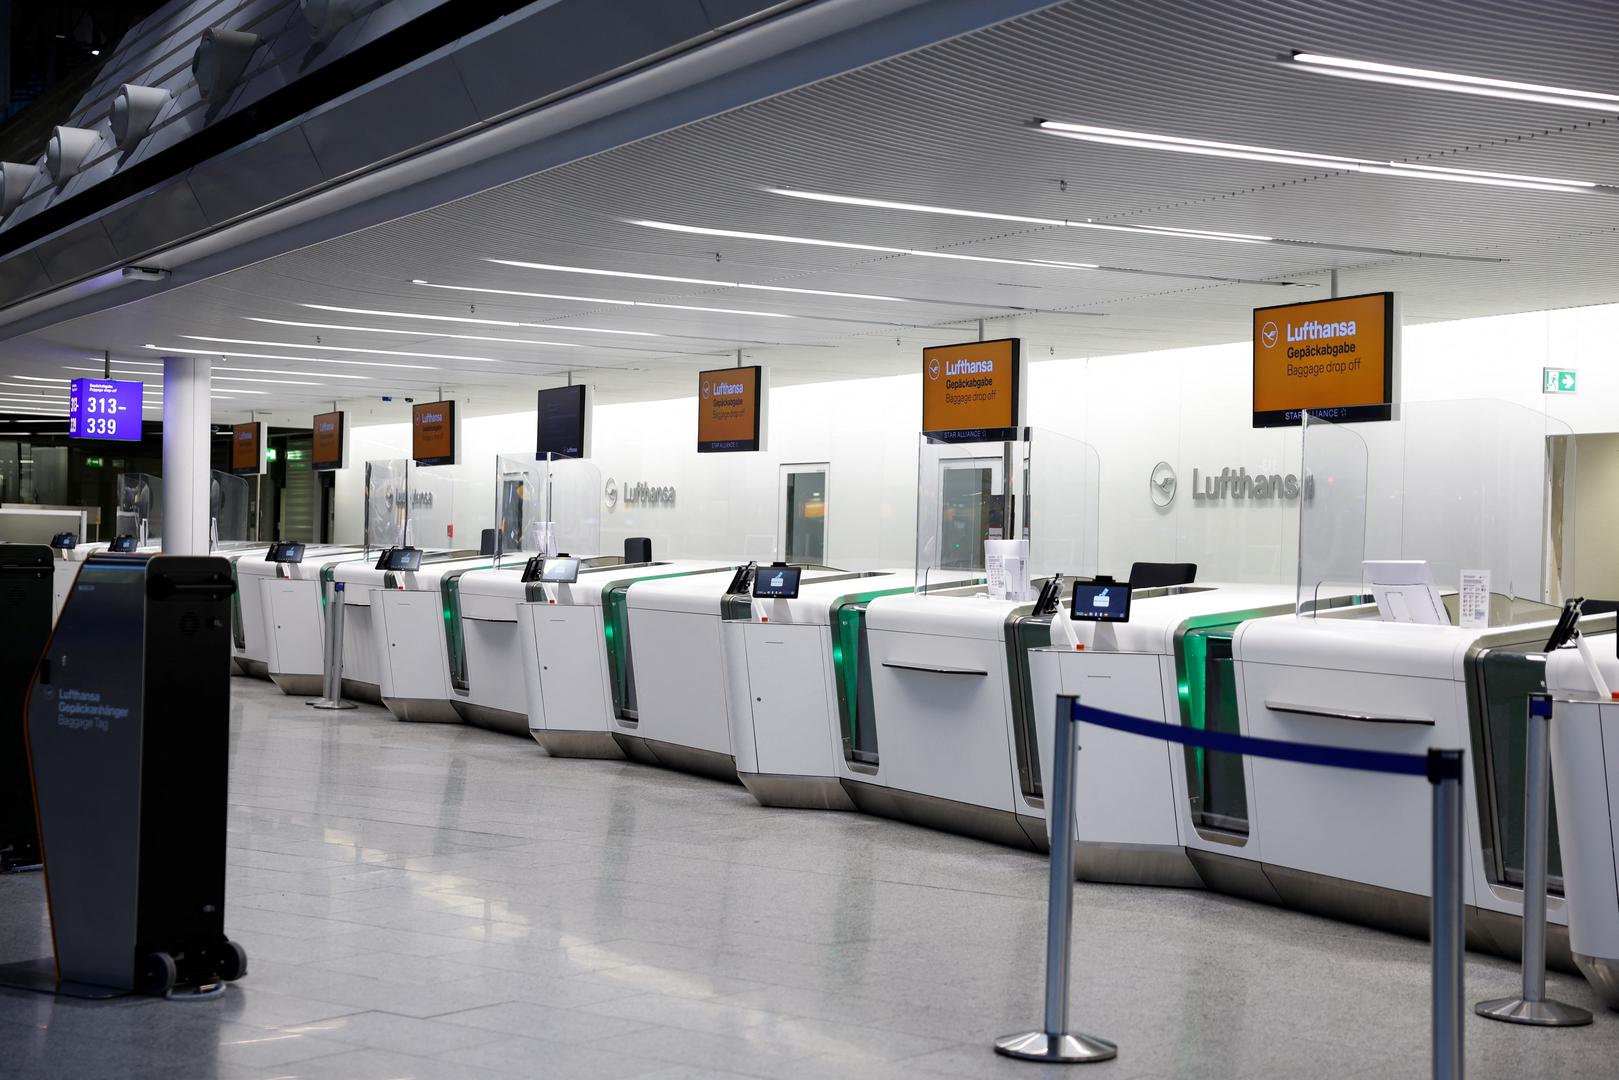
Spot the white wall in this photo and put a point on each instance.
(1190, 407)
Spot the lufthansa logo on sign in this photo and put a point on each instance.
(1268, 335)
(1161, 484)
(708, 389)
(933, 368)
(610, 491)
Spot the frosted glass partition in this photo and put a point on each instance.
(432, 522)
(228, 500)
(564, 492)
(1332, 512)
(140, 499)
(519, 505)
(387, 502)
(1062, 493)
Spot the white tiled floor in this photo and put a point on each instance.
(434, 901)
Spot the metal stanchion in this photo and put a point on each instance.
(332, 672)
(1532, 1006)
(1446, 921)
(1054, 1043)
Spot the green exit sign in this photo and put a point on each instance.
(1558, 381)
(92, 463)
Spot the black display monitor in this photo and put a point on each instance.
(123, 545)
(560, 571)
(285, 551)
(563, 424)
(1101, 601)
(401, 559)
(777, 582)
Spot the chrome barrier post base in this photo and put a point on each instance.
(1055, 1049)
(1532, 1006)
(1516, 1010)
(1054, 1044)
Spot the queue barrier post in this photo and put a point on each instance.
(1532, 1006)
(1443, 770)
(332, 661)
(1054, 1043)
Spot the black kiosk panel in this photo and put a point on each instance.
(129, 730)
(27, 573)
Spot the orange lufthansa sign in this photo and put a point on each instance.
(972, 392)
(432, 433)
(327, 454)
(245, 450)
(1332, 358)
(728, 409)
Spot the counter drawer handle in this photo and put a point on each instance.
(934, 669)
(1339, 714)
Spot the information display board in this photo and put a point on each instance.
(433, 433)
(104, 409)
(1334, 358)
(730, 410)
(563, 423)
(247, 456)
(330, 450)
(973, 392)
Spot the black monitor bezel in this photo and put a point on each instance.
(1073, 601)
(797, 573)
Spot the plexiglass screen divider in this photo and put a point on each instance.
(1332, 513)
(387, 502)
(431, 522)
(228, 499)
(140, 499)
(519, 506)
(573, 505)
(1062, 497)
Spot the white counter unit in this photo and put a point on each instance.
(367, 670)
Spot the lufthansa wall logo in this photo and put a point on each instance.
(1268, 335)
(933, 368)
(610, 491)
(1161, 484)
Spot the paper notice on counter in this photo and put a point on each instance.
(1473, 611)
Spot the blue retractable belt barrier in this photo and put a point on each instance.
(1308, 753)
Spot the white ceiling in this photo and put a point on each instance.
(949, 125)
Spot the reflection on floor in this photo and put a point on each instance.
(433, 901)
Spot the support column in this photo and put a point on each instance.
(186, 456)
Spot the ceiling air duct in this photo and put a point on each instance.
(327, 17)
(134, 111)
(15, 178)
(219, 61)
(66, 151)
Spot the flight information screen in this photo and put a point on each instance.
(104, 409)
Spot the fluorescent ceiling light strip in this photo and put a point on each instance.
(1285, 157)
(275, 371)
(483, 322)
(1102, 134)
(811, 241)
(637, 276)
(601, 300)
(340, 348)
(1456, 82)
(131, 375)
(412, 332)
(302, 359)
(922, 208)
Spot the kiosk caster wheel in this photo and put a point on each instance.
(231, 963)
(157, 974)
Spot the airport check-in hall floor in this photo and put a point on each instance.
(439, 901)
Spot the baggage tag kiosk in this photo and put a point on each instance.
(27, 577)
(128, 741)
(578, 656)
(682, 715)
(798, 685)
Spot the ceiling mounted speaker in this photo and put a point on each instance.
(327, 17)
(15, 179)
(67, 150)
(219, 61)
(134, 111)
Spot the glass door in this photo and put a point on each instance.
(802, 537)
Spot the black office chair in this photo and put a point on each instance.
(1161, 575)
(638, 549)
